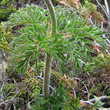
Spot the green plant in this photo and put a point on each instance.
(58, 100)
(47, 69)
(8, 91)
(6, 8)
(89, 11)
(35, 37)
(33, 83)
(98, 104)
(98, 64)
(5, 36)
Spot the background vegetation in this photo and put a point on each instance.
(77, 47)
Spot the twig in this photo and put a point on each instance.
(74, 92)
(84, 86)
(102, 8)
(12, 99)
(87, 102)
(14, 106)
(107, 7)
(105, 89)
(91, 101)
(39, 77)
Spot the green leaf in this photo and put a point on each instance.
(61, 56)
(22, 65)
(98, 103)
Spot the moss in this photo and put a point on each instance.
(5, 36)
(67, 82)
(6, 8)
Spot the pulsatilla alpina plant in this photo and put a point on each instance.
(34, 37)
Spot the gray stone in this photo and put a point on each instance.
(3, 65)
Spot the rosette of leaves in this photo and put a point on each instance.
(34, 38)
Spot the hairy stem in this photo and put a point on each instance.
(47, 75)
(48, 57)
(53, 17)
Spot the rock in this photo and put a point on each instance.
(3, 65)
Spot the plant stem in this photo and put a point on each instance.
(47, 73)
(53, 17)
(48, 57)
